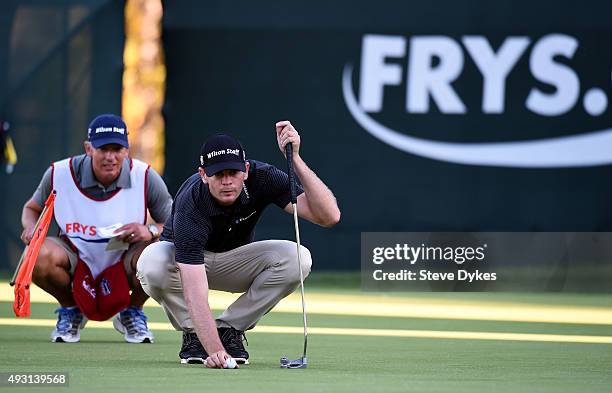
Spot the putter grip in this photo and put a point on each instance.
(290, 173)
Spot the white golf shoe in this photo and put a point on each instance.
(70, 321)
(132, 323)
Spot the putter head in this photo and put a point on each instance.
(298, 363)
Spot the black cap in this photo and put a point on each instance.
(107, 129)
(221, 152)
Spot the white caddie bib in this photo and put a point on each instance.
(79, 215)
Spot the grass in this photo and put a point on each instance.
(102, 362)
(348, 364)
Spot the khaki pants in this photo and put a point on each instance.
(266, 271)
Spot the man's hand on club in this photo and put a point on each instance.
(286, 133)
(218, 360)
(134, 232)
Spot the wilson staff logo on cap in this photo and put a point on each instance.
(107, 129)
(221, 152)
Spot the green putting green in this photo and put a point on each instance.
(102, 362)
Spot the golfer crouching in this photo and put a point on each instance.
(208, 244)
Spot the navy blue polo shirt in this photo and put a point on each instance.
(199, 223)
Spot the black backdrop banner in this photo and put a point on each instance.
(61, 63)
(445, 116)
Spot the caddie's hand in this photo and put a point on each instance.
(27, 235)
(285, 133)
(134, 232)
(218, 360)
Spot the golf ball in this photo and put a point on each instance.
(230, 363)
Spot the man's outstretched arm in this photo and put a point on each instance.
(195, 290)
(317, 204)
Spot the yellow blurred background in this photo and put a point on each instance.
(144, 79)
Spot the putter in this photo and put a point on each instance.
(303, 361)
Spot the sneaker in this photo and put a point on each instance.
(232, 341)
(70, 321)
(132, 322)
(192, 351)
